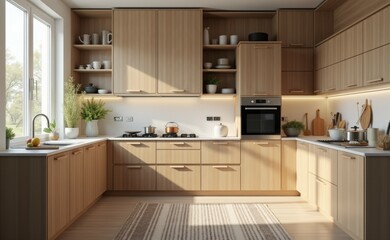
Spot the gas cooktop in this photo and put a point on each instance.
(153, 135)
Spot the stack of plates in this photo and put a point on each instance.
(227, 90)
(223, 66)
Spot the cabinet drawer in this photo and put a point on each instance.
(135, 177)
(178, 145)
(178, 177)
(326, 198)
(133, 152)
(178, 156)
(324, 164)
(224, 152)
(221, 177)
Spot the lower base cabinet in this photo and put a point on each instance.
(178, 177)
(76, 182)
(221, 177)
(135, 177)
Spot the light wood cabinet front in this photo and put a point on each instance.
(135, 177)
(297, 83)
(351, 72)
(221, 152)
(296, 28)
(351, 193)
(289, 165)
(134, 152)
(57, 193)
(297, 59)
(135, 51)
(101, 168)
(179, 51)
(377, 29)
(259, 67)
(260, 165)
(178, 157)
(76, 179)
(302, 169)
(178, 145)
(326, 197)
(178, 177)
(89, 174)
(221, 177)
(375, 66)
(324, 164)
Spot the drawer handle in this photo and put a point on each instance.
(178, 90)
(220, 143)
(76, 152)
(261, 143)
(261, 47)
(134, 167)
(352, 85)
(221, 167)
(134, 90)
(320, 181)
(317, 91)
(91, 148)
(375, 80)
(331, 89)
(260, 93)
(296, 91)
(135, 143)
(178, 143)
(297, 44)
(348, 157)
(59, 158)
(177, 167)
(322, 150)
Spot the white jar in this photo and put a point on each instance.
(233, 39)
(206, 36)
(222, 40)
(220, 130)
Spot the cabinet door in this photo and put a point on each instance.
(260, 69)
(178, 177)
(178, 157)
(135, 177)
(351, 193)
(179, 51)
(260, 165)
(89, 174)
(58, 192)
(297, 83)
(375, 66)
(76, 186)
(351, 41)
(351, 72)
(326, 168)
(289, 165)
(101, 168)
(296, 28)
(135, 51)
(326, 198)
(223, 152)
(302, 168)
(377, 30)
(297, 59)
(134, 152)
(221, 177)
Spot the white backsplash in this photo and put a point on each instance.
(189, 112)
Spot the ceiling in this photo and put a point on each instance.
(213, 4)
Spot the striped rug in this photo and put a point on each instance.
(171, 221)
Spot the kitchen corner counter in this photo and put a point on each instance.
(76, 143)
(361, 151)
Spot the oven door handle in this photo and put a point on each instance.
(261, 108)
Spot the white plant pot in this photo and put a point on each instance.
(54, 136)
(91, 129)
(211, 88)
(71, 133)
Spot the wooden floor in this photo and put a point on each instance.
(301, 220)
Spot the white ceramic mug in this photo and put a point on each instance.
(107, 64)
(96, 64)
(86, 39)
(222, 40)
(106, 37)
(89, 66)
(233, 39)
(95, 38)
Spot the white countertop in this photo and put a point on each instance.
(201, 138)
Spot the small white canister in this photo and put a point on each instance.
(220, 130)
(372, 135)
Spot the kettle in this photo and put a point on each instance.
(220, 130)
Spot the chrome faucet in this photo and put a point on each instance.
(33, 122)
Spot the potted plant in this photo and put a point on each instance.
(52, 131)
(292, 128)
(91, 112)
(72, 108)
(9, 135)
(211, 83)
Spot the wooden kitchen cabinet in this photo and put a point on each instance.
(351, 72)
(296, 28)
(135, 51)
(58, 193)
(259, 67)
(179, 34)
(76, 182)
(260, 165)
(297, 59)
(350, 200)
(221, 152)
(376, 30)
(178, 156)
(303, 153)
(178, 177)
(101, 168)
(375, 66)
(220, 177)
(89, 174)
(134, 152)
(297, 83)
(135, 177)
(289, 168)
(324, 163)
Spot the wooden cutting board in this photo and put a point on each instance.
(365, 117)
(42, 148)
(318, 125)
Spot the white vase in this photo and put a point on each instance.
(91, 129)
(71, 133)
(206, 36)
(211, 88)
(7, 141)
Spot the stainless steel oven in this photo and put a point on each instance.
(260, 117)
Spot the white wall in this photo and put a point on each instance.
(2, 75)
(190, 113)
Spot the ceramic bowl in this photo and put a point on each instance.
(207, 65)
(102, 91)
(336, 134)
(227, 90)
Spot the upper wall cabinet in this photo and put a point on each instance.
(179, 51)
(259, 67)
(88, 46)
(135, 51)
(296, 28)
(377, 30)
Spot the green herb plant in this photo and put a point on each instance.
(51, 128)
(293, 124)
(93, 110)
(211, 80)
(9, 133)
(72, 105)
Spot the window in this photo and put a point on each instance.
(29, 41)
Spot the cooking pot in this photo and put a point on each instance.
(149, 129)
(356, 135)
(171, 127)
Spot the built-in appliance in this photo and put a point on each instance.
(260, 117)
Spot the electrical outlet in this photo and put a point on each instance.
(129, 119)
(217, 118)
(209, 118)
(118, 119)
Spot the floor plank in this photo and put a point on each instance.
(300, 219)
